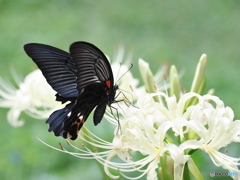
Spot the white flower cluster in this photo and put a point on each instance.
(207, 126)
(34, 97)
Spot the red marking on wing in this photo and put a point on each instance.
(108, 83)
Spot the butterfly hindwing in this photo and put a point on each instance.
(91, 96)
(57, 118)
(57, 67)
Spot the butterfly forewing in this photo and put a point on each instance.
(57, 67)
(91, 64)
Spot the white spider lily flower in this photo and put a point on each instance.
(217, 129)
(153, 131)
(34, 97)
(145, 129)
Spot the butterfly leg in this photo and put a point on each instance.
(117, 118)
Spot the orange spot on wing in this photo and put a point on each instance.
(76, 126)
(108, 83)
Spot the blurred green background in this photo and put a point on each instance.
(174, 31)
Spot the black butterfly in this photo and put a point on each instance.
(84, 77)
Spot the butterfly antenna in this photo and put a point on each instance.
(118, 71)
(125, 72)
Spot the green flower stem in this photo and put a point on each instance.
(194, 170)
(166, 166)
(186, 175)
